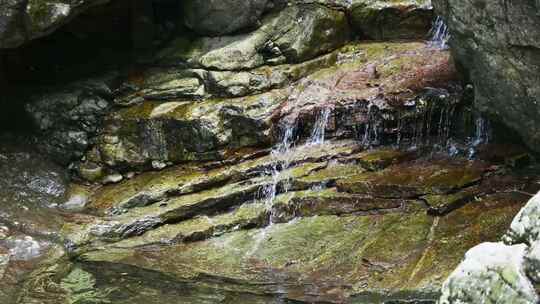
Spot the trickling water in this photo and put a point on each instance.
(319, 130)
(282, 156)
(439, 34)
(371, 129)
(481, 131)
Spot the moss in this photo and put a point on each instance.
(380, 159)
(395, 252)
(484, 220)
(81, 288)
(412, 179)
(201, 227)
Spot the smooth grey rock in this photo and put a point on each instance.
(497, 44)
(222, 17)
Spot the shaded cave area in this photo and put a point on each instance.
(117, 36)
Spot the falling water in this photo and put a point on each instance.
(481, 131)
(371, 129)
(282, 156)
(439, 34)
(319, 130)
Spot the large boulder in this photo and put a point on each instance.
(385, 19)
(498, 43)
(24, 20)
(525, 227)
(490, 273)
(294, 34)
(221, 17)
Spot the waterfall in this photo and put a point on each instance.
(439, 35)
(285, 150)
(481, 131)
(282, 155)
(319, 130)
(370, 137)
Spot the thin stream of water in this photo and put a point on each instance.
(282, 156)
(439, 34)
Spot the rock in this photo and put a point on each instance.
(405, 250)
(525, 227)
(68, 117)
(490, 273)
(498, 46)
(294, 34)
(385, 20)
(113, 179)
(91, 172)
(77, 198)
(152, 187)
(185, 131)
(532, 262)
(21, 21)
(405, 181)
(218, 18)
(175, 83)
(378, 95)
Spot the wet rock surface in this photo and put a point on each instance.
(31, 189)
(215, 232)
(264, 158)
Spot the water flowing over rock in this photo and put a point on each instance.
(253, 152)
(439, 34)
(496, 43)
(30, 189)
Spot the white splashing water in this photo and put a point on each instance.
(282, 156)
(439, 34)
(319, 130)
(481, 131)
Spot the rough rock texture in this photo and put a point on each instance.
(498, 272)
(186, 131)
(69, 116)
(498, 44)
(525, 227)
(383, 84)
(294, 34)
(215, 230)
(24, 20)
(490, 273)
(218, 18)
(384, 19)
